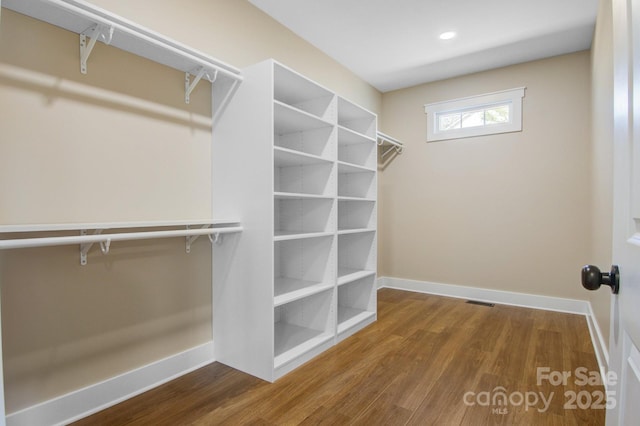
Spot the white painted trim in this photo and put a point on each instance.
(511, 97)
(599, 345)
(495, 296)
(93, 398)
(558, 304)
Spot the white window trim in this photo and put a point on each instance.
(512, 96)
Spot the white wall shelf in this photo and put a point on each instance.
(93, 23)
(347, 275)
(285, 157)
(294, 195)
(344, 167)
(289, 289)
(286, 236)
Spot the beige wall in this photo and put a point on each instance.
(506, 212)
(602, 159)
(118, 144)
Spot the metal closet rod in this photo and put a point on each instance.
(396, 145)
(107, 238)
(386, 138)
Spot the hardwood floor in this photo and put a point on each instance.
(428, 360)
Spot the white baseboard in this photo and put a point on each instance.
(91, 399)
(558, 304)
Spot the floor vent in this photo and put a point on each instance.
(477, 302)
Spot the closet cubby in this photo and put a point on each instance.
(354, 148)
(303, 267)
(356, 303)
(297, 164)
(302, 173)
(356, 182)
(302, 325)
(319, 142)
(356, 215)
(353, 117)
(356, 256)
(301, 216)
(299, 92)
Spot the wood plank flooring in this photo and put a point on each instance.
(428, 360)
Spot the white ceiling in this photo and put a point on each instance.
(394, 43)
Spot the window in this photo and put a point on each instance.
(488, 114)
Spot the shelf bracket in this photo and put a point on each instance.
(192, 238)
(398, 149)
(99, 31)
(84, 248)
(216, 238)
(190, 85)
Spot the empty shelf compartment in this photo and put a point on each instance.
(356, 302)
(298, 91)
(355, 182)
(289, 120)
(303, 175)
(318, 141)
(302, 264)
(356, 214)
(303, 215)
(302, 325)
(356, 256)
(356, 149)
(356, 118)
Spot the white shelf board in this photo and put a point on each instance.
(348, 136)
(78, 15)
(347, 275)
(364, 199)
(52, 227)
(344, 167)
(350, 317)
(292, 341)
(296, 195)
(355, 231)
(289, 235)
(284, 157)
(288, 119)
(290, 289)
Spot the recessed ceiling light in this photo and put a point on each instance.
(447, 35)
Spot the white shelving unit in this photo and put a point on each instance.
(306, 195)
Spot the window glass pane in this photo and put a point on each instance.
(473, 119)
(448, 121)
(497, 114)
